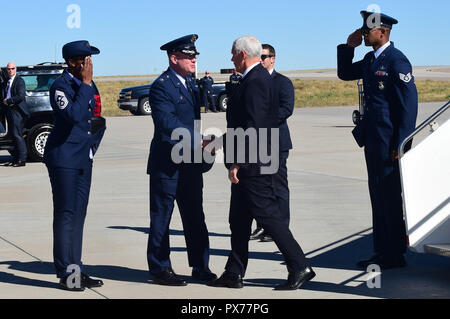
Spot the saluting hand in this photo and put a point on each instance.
(355, 39)
(87, 71)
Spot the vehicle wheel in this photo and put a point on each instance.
(144, 106)
(356, 117)
(223, 102)
(134, 112)
(36, 141)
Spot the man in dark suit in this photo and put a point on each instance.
(283, 95)
(13, 98)
(390, 113)
(252, 191)
(175, 106)
(68, 155)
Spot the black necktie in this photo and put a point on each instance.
(189, 87)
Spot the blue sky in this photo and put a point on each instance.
(129, 33)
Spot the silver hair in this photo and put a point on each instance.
(251, 45)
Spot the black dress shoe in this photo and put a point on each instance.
(9, 163)
(228, 280)
(203, 274)
(296, 279)
(265, 238)
(19, 164)
(88, 282)
(64, 286)
(257, 233)
(168, 278)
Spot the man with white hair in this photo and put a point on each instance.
(252, 190)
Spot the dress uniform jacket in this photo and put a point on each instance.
(390, 114)
(71, 140)
(175, 106)
(390, 97)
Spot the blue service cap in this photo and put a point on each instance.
(184, 44)
(376, 19)
(78, 48)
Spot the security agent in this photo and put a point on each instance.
(175, 104)
(390, 114)
(235, 79)
(206, 84)
(12, 95)
(284, 99)
(68, 156)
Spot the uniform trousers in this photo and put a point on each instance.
(255, 198)
(389, 233)
(187, 192)
(71, 188)
(208, 102)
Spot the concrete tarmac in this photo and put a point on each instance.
(330, 208)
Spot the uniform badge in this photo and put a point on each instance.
(381, 85)
(61, 99)
(405, 78)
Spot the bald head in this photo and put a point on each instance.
(11, 69)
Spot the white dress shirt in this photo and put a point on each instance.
(380, 50)
(183, 80)
(249, 69)
(10, 82)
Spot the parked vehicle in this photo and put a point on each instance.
(38, 80)
(135, 99)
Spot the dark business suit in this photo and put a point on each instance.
(68, 159)
(284, 98)
(173, 107)
(390, 114)
(16, 113)
(255, 196)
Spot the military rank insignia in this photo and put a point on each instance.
(405, 78)
(61, 99)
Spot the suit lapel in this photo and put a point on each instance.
(177, 83)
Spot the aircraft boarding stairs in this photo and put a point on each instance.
(425, 175)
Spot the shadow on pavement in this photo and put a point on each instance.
(426, 276)
(173, 232)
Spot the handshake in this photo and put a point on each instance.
(212, 143)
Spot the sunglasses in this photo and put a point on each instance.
(265, 56)
(10, 69)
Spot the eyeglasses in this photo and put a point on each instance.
(10, 69)
(265, 56)
(186, 56)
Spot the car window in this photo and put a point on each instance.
(39, 83)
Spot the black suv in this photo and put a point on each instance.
(38, 80)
